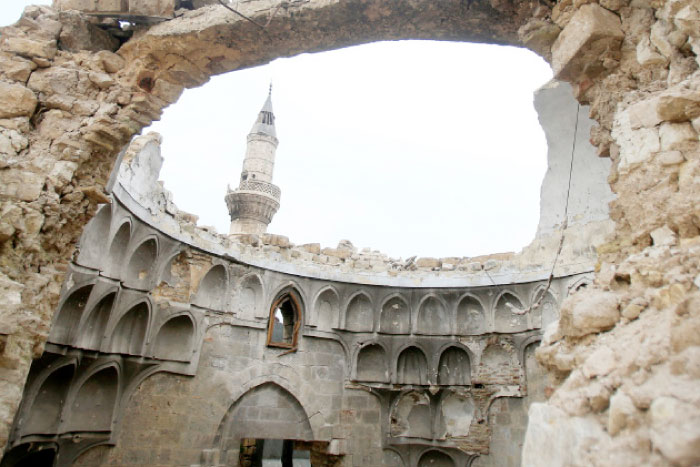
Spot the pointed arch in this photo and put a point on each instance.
(433, 318)
(129, 335)
(435, 458)
(471, 317)
(212, 289)
(92, 405)
(65, 326)
(92, 242)
(285, 319)
(359, 316)
(454, 368)
(118, 247)
(372, 364)
(93, 328)
(175, 339)
(412, 366)
(411, 416)
(505, 320)
(44, 416)
(142, 262)
(326, 309)
(548, 310)
(284, 418)
(395, 317)
(250, 297)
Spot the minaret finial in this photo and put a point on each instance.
(270, 93)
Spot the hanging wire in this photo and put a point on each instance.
(565, 224)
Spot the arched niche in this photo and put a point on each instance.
(326, 310)
(433, 318)
(175, 339)
(547, 312)
(44, 416)
(372, 364)
(283, 417)
(130, 333)
(412, 367)
(94, 327)
(471, 318)
(31, 455)
(212, 289)
(535, 374)
(250, 298)
(411, 416)
(392, 458)
(92, 242)
(395, 317)
(456, 415)
(93, 405)
(435, 458)
(117, 249)
(141, 264)
(454, 368)
(65, 328)
(506, 317)
(358, 314)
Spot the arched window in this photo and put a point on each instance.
(284, 321)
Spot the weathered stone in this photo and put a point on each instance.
(599, 363)
(16, 101)
(664, 236)
(79, 34)
(31, 48)
(112, 5)
(538, 35)
(582, 314)
(676, 430)
(22, 185)
(634, 308)
(591, 35)
(667, 158)
(162, 8)
(621, 413)
(674, 135)
(646, 56)
(111, 62)
(428, 263)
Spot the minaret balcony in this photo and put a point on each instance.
(259, 186)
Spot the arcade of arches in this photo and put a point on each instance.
(131, 336)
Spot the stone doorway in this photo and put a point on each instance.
(273, 453)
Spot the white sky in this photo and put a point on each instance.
(412, 148)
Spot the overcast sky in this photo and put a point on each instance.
(412, 148)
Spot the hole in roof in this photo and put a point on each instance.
(410, 148)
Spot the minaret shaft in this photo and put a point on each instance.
(256, 200)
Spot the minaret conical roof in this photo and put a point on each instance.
(265, 123)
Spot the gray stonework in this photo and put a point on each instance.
(159, 350)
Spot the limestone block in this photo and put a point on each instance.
(659, 37)
(31, 48)
(678, 105)
(579, 50)
(688, 20)
(16, 101)
(111, 62)
(621, 412)
(428, 263)
(81, 5)
(634, 308)
(554, 438)
(647, 55)
(17, 69)
(25, 186)
(583, 313)
(675, 430)
(673, 135)
(599, 363)
(62, 173)
(538, 35)
(162, 8)
(664, 236)
(313, 248)
(334, 252)
(54, 80)
(636, 145)
(112, 5)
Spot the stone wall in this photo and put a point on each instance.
(625, 349)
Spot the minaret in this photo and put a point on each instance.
(252, 205)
